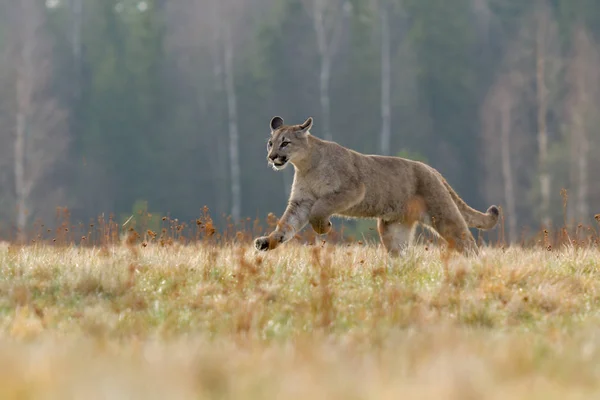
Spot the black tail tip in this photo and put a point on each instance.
(494, 211)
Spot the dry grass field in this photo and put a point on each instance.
(202, 321)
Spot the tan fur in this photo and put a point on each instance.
(332, 180)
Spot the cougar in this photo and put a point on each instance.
(331, 180)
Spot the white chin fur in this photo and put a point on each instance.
(278, 167)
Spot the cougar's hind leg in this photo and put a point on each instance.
(447, 220)
(395, 236)
(453, 228)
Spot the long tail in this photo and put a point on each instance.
(474, 218)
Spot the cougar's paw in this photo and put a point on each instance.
(321, 226)
(265, 243)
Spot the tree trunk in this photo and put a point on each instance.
(76, 26)
(325, 56)
(578, 158)
(542, 111)
(217, 156)
(24, 89)
(385, 80)
(582, 184)
(236, 196)
(76, 23)
(509, 195)
(327, 47)
(584, 89)
(579, 164)
(324, 86)
(571, 211)
(19, 167)
(40, 134)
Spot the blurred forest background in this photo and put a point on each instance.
(107, 105)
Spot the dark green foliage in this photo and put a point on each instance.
(148, 112)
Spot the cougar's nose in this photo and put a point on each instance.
(272, 157)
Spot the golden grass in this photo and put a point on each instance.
(339, 322)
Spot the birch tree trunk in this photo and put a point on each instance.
(28, 24)
(509, 193)
(40, 138)
(542, 111)
(318, 19)
(21, 194)
(218, 158)
(324, 96)
(579, 149)
(571, 211)
(234, 158)
(76, 24)
(386, 79)
(583, 78)
(498, 123)
(327, 44)
(582, 192)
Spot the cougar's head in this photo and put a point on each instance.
(288, 143)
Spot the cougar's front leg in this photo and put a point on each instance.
(333, 203)
(293, 220)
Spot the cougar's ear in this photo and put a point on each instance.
(276, 123)
(306, 125)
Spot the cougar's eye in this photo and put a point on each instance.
(284, 144)
(269, 144)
